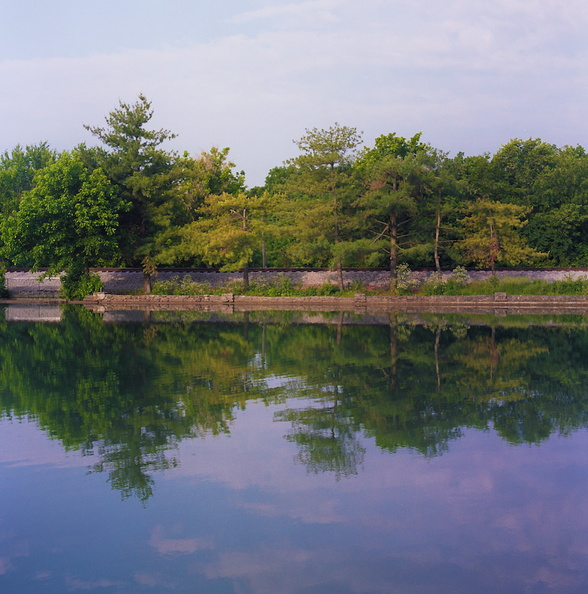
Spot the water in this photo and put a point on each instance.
(190, 452)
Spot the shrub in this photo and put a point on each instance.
(181, 286)
(405, 280)
(3, 289)
(75, 284)
(434, 285)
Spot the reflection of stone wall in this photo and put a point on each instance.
(26, 284)
(33, 313)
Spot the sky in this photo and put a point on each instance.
(254, 75)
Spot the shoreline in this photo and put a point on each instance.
(499, 304)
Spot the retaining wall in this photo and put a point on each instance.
(27, 284)
(498, 304)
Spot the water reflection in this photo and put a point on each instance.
(129, 394)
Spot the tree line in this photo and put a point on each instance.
(336, 204)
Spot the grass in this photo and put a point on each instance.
(511, 286)
(280, 286)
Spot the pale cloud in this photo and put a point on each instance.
(6, 565)
(309, 13)
(470, 74)
(165, 545)
(74, 584)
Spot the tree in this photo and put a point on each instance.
(319, 189)
(227, 233)
(211, 173)
(447, 190)
(491, 235)
(395, 172)
(516, 167)
(68, 221)
(559, 224)
(17, 170)
(146, 176)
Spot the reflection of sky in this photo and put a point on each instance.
(240, 515)
(21, 444)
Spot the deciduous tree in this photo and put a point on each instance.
(68, 221)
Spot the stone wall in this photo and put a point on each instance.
(498, 304)
(26, 284)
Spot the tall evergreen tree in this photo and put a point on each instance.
(319, 188)
(394, 172)
(145, 174)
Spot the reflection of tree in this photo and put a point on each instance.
(130, 393)
(491, 370)
(125, 393)
(327, 439)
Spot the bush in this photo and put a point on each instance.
(182, 286)
(75, 285)
(3, 289)
(438, 284)
(406, 283)
(515, 285)
(434, 285)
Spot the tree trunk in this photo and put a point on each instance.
(340, 276)
(437, 233)
(393, 231)
(263, 254)
(246, 276)
(263, 250)
(147, 283)
(336, 230)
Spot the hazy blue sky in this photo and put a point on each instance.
(253, 74)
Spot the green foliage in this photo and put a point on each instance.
(327, 148)
(395, 174)
(229, 231)
(491, 235)
(406, 282)
(68, 221)
(76, 284)
(333, 205)
(279, 286)
(146, 176)
(518, 165)
(183, 286)
(319, 189)
(129, 394)
(17, 171)
(3, 288)
(519, 285)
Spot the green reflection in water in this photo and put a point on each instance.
(130, 393)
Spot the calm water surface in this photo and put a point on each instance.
(188, 452)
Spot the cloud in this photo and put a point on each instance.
(469, 74)
(183, 546)
(74, 584)
(309, 13)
